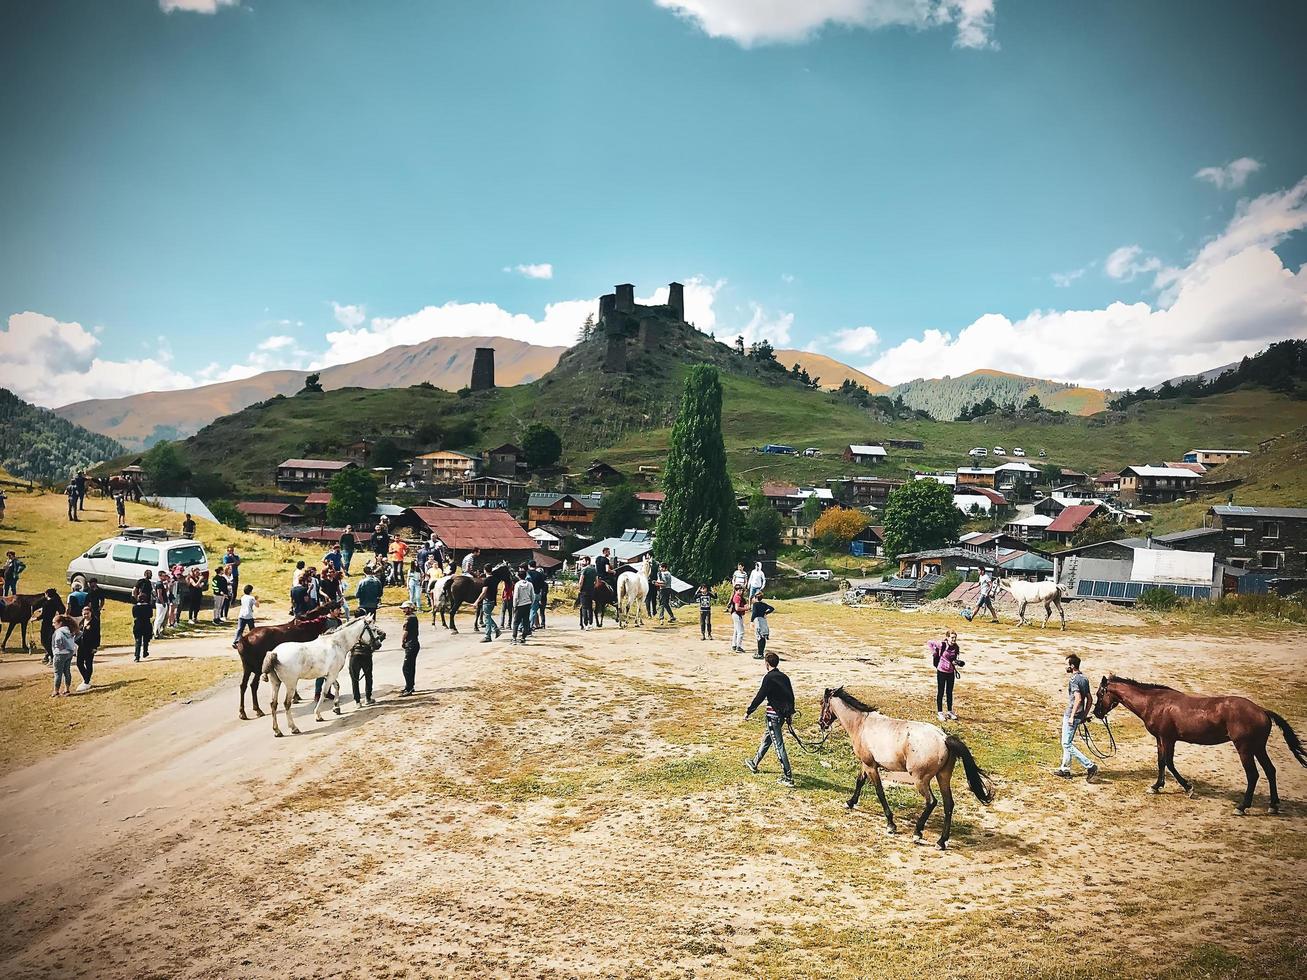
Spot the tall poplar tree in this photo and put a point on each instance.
(695, 533)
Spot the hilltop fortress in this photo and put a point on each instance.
(622, 321)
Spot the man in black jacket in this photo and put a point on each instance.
(411, 646)
(777, 691)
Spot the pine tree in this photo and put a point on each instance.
(695, 534)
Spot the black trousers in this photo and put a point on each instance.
(410, 669)
(944, 690)
(705, 623)
(651, 602)
(665, 604)
(85, 660)
(587, 608)
(360, 663)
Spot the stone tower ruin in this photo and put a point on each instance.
(622, 320)
(483, 369)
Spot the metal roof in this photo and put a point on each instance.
(538, 498)
(1025, 561)
(315, 464)
(267, 507)
(475, 527)
(1192, 533)
(1238, 510)
(1161, 471)
(622, 549)
(867, 450)
(1072, 517)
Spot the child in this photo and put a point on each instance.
(142, 622)
(760, 628)
(64, 646)
(249, 603)
(705, 612)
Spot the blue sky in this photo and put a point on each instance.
(917, 187)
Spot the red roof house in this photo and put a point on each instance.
(1067, 523)
(494, 531)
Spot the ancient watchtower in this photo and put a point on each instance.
(622, 320)
(483, 369)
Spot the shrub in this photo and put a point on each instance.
(945, 586)
(838, 526)
(1159, 599)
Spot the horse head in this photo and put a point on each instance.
(827, 717)
(1106, 699)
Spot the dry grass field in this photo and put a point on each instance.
(579, 807)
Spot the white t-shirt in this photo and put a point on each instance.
(467, 563)
(757, 579)
(739, 578)
(247, 606)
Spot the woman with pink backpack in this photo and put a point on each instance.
(947, 658)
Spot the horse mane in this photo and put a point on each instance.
(1142, 685)
(851, 701)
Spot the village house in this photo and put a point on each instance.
(548, 537)
(443, 466)
(1198, 468)
(1030, 528)
(1213, 457)
(502, 460)
(983, 500)
(796, 535)
(574, 511)
(601, 472)
(941, 561)
(975, 476)
(493, 491)
(1016, 481)
(315, 504)
(651, 503)
(872, 491)
(1123, 578)
(1073, 478)
(269, 515)
(1070, 520)
(494, 531)
(1156, 484)
(309, 474)
(869, 542)
(865, 455)
(1108, 482)
(788, 499)
(1263, 539)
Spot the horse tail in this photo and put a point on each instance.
(269, 664)
(977, 779)
(1290, 738)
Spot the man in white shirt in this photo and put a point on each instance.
(740, 578)
(757, 580)
(469, 560)
(249, 602)
(985, 597)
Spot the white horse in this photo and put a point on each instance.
(288, 663)
(1049, 594)
(632, 590)
(436, 594)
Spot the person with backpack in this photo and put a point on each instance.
(758, 615)
(704, 596)
(142, 622)
(63, 647)
(587, 577)
(737, 606)
(947, 658)
(410, 646)
(10, 571)
(777, 691)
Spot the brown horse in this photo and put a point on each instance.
(603, 596)
(1172, 716)
(462, 589)
(923, 752)
(257, 643)
(16, 611)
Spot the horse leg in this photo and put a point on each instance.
(1250, 770)
(1163, 752)
(1021, 614)
(945, 776)
(290, 719)
(857, 790)
(254, 694)
(245, 679)
(1185, 785)
(453, 611)
(1265, 759)
(884, 803)
(1048, 614)
(4, 645)
(923, 787)
(1060, 612)
(276, 690)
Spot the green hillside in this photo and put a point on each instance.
(37, 444)
(945, 398)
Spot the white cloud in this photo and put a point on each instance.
(276, 343)
(1064, 279)
(1233, 298)
(700, 300)
(762, 325)
(750, 22)
(348, 315)
(196, 6)
(538, 270)
(1129, 261)
(856, 340)
(1231, 176)
(49, 362)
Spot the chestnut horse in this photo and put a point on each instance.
(17, 610)
(1172, 716)
(921, 751)
(257, 643)
(462, 589)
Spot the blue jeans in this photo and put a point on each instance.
(63, 670)
(773, 737)
(347, 557)
(537, 609)
(415, 595)
(1069, 748)
(488, 614)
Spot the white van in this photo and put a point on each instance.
(819, 573)
(118, 563)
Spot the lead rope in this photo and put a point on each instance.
(810, 748)
(1088, 738)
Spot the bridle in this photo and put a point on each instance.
(822, 723)
(1087, 736)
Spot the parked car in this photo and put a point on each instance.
(819, 573)
(999, 451)
(812, 451)
(1043, 455)
(979, 452)
(118, 562)
(1018, 452)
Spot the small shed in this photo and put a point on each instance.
(865, 455)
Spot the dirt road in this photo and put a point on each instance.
(578, 807)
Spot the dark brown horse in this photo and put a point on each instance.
(16, 611)
(257, 643)
(1172, 716)
(465, 588)
(603, 596)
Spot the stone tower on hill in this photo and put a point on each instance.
(483, 369)
(622, 320)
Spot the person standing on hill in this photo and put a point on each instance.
(79, 481)
(947, 658)
(347, 544)
(120, 506)
(737, 606)
(777, 691)
(411, 646)
(188, 526)
(88, 640)
(71, 493)
(142, 622)
(51, 608)
(11, 570)
(761, 631)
